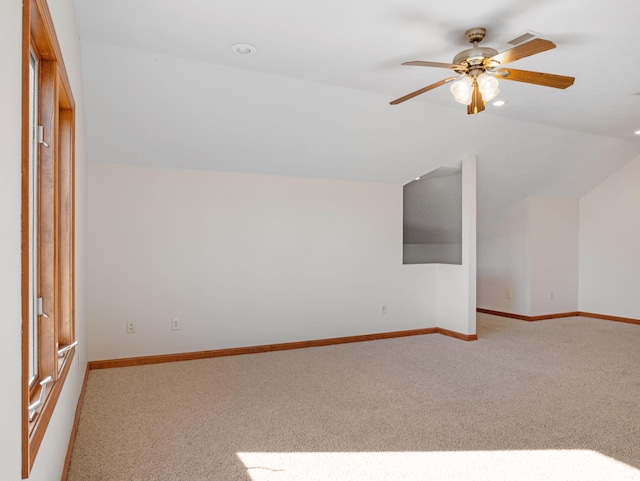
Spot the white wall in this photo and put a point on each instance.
(10, 134)
(49, 463)
(504, 263)
(554, 255)
(610, 245)
(457, 283)
(244, 259)
(531, 251)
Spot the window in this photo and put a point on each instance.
(47, 226)
(33, 202)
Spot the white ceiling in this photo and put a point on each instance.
(163, 88)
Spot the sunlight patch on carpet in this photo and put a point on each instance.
(534, 465)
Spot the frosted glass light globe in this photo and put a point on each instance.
(488, 86)
(461, 90)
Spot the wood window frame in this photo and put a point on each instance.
(55, 223)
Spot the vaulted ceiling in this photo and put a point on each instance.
(162, 87)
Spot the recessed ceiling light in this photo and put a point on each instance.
(242, 48)
(499, 103)
(637, 132)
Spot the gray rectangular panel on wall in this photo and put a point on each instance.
(432, 218)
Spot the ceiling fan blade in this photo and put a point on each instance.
(477, 102)
(421, 63)
(422, 90)
(545, 79)
(523, 50)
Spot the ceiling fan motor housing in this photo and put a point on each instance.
(475, 35)
(474, 56)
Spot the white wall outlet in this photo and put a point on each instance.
(175, 324)
(551, 295)
(508, 294)
(383, 309)
(131, 327)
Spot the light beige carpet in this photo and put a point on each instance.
(556, 400)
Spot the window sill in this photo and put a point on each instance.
(38, 426)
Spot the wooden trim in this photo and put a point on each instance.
(457, 335)
(64, 234)
(559, 315)
(605, 317)
(236, 351)
(72, 223)
(529, 318)
(46, 41)
(503, 314)
(55, 96)
(25, 240)
(74, 429)
(47, 216)
(42, 421)
(627, 320)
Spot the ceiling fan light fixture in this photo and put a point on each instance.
(478, 69)
(461, 90)
(488, 86)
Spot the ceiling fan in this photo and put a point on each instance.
(479, 68)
